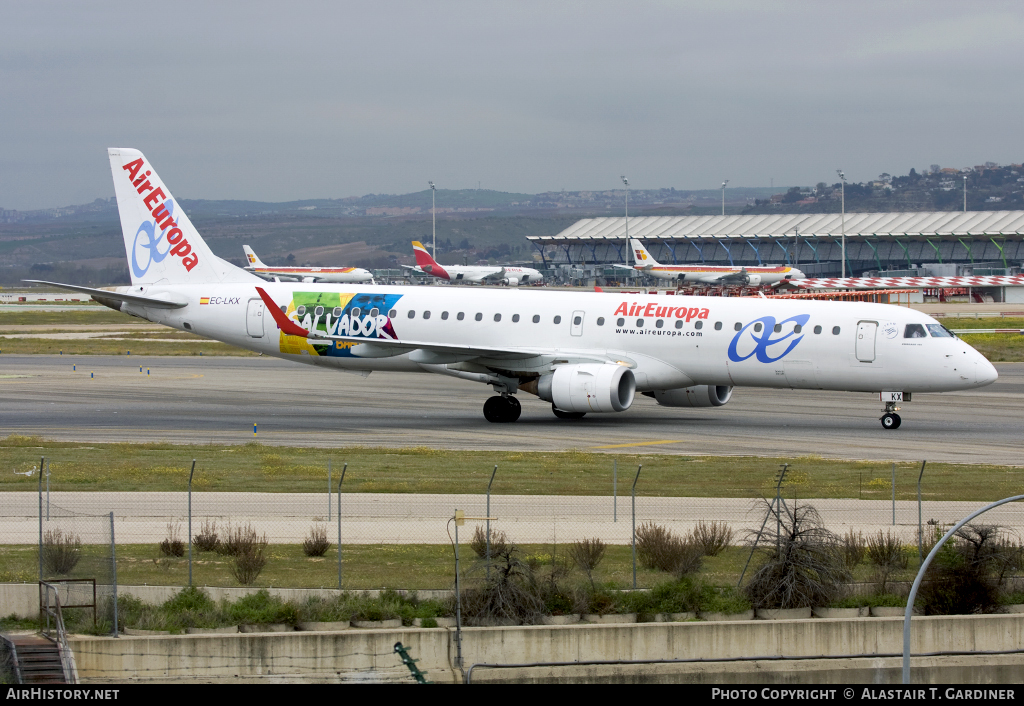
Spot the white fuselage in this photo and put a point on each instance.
(711, 274)
(699, 340)
(337, 275)
(479, 273)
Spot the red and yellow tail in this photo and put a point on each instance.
(426, 263)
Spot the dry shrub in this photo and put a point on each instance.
(887, 554)
(207, 539)
(238, 540)
(968, 571)
(499, 542)
(61, 551)
(587, 555)
(803, 563)
(172, 544)
(511, 594)
(659, 548)
(251, 558)
(316, 543)
(713, 537)
(853, 548)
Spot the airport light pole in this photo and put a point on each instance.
(965, 193)
(433, 218)
(842, 178)
(626, 182)
(723, 195)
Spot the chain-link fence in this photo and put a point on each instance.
(391, 539)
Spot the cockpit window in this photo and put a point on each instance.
(914, 331)
(940, 331)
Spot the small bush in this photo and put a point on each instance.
(658, 548)
(316, 543)
(853, 548)
(966, 575)
(172, 544)
(61, 552)
(802, 565)
(887, 554)
(499, 542)
(251, 557)
(587, 555)
(713, 537)
(238, 540)
(262, 608)
(511, 593)
(207, 539)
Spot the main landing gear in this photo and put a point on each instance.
(889, 418)
(502, 409)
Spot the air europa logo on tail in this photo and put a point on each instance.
(161, 208)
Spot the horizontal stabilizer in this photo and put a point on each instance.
(98, 294)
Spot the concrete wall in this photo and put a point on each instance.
(367, 655)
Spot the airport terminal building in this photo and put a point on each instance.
(939, 243)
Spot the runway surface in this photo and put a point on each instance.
(217, 399)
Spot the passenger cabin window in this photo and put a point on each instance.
(620, 321)
(356, 311)
(301, 311)
(940, 331)
(319, 311)
(558, 319)
(738, 326)
(914, 331)
(460, 316)
(336, 312)
(600, 321)
(640, 323)
(817, 329)
(426, 314)
(778, 327)
(479, 316)
(718, 325)
(659, 323)
(697, 325)
(515, 318)
(497, 317)
(391, 314)
(798, 328)
(577, 321)
(679, 323)
(412, 314)
(536, 318)
(374, 312)
(835, 330)
(444, 316)
(758, 327)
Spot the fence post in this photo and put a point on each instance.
(615, 494)
(190, 521)
(113, 569)
(489, 522)
(634, 521)
(458, 595)
(41, 460)
(47, 491)
(920, 531)
(894, 494)
(342, 480)
(330, 486)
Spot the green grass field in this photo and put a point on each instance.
(258, 468)
(406, 566)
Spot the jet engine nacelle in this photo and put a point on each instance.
(696, 396)
(589, 387)
(754, 280)
(511, 281)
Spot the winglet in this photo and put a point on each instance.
(283, 322)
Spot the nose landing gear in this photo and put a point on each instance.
(502, 409)
(889, 418)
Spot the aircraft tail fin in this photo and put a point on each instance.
(642, 258)
(161, 243)
(425, 262)
(252, 258)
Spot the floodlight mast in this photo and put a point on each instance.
(723, 195)
(433, 219)
(842, 178)
(965, 193)
(628, 248)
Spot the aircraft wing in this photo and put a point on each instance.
(414, 269)
(99, 294)
(739, 277)
(498, 274)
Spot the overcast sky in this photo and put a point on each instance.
(280, 101)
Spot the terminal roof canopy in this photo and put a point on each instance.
(921, 224)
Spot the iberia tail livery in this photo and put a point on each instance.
(579, 352)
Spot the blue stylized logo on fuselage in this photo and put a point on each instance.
(151, 244)
(763, 340)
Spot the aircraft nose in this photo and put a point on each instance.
(984, 372)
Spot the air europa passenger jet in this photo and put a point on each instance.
(582, 352)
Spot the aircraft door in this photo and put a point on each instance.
(577, 323)
(254, 318)
(866, 341)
